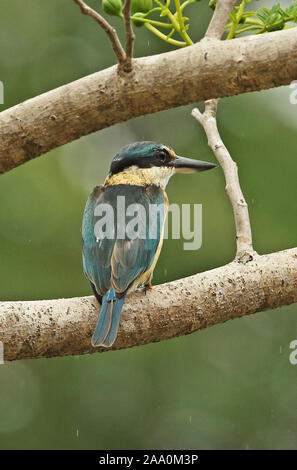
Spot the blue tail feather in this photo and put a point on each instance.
(109, 318)
(115, 321)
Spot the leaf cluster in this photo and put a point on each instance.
(261, 21)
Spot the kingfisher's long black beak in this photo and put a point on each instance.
(188, 165)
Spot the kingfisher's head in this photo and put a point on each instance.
(152, 163)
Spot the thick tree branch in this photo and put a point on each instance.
(61, 327)
(209, 69)
(109, 30)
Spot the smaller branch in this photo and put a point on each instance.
(219, 19)
(245, 251)
(109, 30)
(130, 36)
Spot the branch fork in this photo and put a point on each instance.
(124, 57)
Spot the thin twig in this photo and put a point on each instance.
(109, 30)
(219, 19)
(130, 36)
(240, 209)
(208, 119)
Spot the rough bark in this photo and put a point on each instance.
(61, 327)
(209, 69)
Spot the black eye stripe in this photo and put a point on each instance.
(159, 157)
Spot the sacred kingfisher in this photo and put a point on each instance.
(117, 262)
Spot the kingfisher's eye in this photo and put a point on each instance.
(164, 156)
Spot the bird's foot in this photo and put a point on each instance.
(146, 287)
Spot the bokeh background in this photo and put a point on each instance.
(230, 386)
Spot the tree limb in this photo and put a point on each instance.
(109, 30)
(209, 69)
(61, 327)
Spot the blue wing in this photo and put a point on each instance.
(117, 263)
(96, 257)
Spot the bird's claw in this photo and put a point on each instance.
(146, 287)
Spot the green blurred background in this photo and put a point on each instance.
(230, 386)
